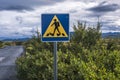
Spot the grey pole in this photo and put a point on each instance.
(55, 60)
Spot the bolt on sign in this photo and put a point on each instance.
(55, 27)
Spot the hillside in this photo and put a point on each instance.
(111, 35)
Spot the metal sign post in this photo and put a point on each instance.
(55, 60)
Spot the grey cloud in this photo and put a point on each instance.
(102, 3)
(19, 19)
(72, 11)
(17, 8)
(108, 25)
(103, 8)
(111, 28)
(20, 5)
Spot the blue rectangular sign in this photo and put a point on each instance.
(55, 27)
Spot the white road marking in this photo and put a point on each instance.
(1, 58)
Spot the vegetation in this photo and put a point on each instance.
(86, 57)
(11, 43)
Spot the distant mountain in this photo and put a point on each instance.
(111, 35)
(107, 35)
(14, 39)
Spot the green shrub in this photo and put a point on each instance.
(85, 57)
(35, 67)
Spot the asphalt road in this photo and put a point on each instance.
(8, 55)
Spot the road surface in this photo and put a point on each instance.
(8, 55)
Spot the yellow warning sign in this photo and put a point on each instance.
(55, 29)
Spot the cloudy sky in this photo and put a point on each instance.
(20, 18)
